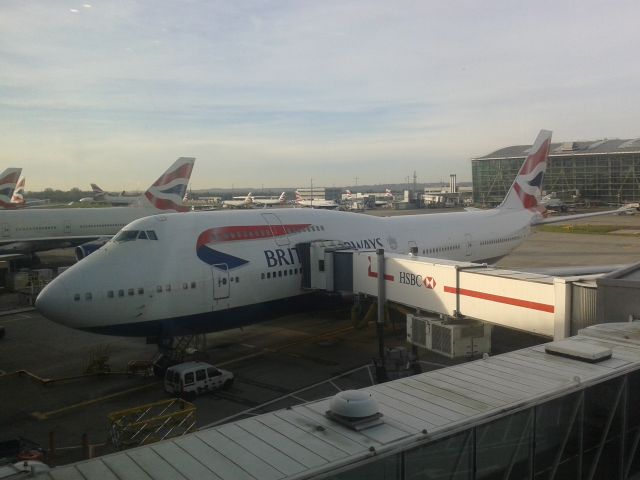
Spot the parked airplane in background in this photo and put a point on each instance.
(100, 196)
(315, 203)
(8, 181)
(26, 231)
(246, 203)
(267, 202)
(388, 198)
(169, 275)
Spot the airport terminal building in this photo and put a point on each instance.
(593, 172)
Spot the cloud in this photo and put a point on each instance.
(379, 88)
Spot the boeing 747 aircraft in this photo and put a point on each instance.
(170, 275)
(25, 231)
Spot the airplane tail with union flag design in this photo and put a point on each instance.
(168, 191)
(526, 191)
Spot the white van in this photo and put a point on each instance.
(191, 378)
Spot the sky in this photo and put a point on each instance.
(282, 93)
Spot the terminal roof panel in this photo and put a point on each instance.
(569, 148)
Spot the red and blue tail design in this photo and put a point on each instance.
(526, 191)
(168, 191)
(8, 180)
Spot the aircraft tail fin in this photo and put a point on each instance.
(8, 181)
(298, 197)
(525, 192)
(96, 189)
(167, 192)
(283, 197)
(18, 194)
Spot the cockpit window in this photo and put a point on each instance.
(126, 236)
(152, 235)
(142, 235)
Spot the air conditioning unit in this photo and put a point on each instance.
(453, 339)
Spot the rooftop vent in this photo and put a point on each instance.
(354, 409)
(568, 147)
(583, 351)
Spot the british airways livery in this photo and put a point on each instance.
(169, 275)
(24, 231)
(8, 181)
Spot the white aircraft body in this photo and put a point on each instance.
(211, 271)
(100, 196)
(25, 231)
(8, 181)
(269, 202)
(315, 203)
(247, 202)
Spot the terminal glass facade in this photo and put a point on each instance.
(592, 433)
(597, 178)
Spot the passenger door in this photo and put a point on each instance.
(221, 287)
(467, 244)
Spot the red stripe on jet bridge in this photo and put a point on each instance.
(543, 307)
(247, 232)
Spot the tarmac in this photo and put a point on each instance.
(45, 395)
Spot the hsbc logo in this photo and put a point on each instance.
(414, 280)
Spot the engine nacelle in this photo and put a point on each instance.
(90, 247)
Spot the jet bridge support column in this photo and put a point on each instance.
(381, 301)
(562, 312)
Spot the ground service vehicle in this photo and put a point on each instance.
(192, 378)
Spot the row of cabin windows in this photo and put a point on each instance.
(281, 273)
(495, 241)
(132, 291)
(120, 225)
(444, 248)
(40, 227)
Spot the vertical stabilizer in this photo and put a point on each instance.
(525, 193)
(18, 194)
(167, 192)
(8, 180)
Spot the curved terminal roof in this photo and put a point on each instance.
(610, 146)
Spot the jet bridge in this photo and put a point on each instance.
(541, 304)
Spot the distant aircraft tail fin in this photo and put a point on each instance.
(388, 194)
(248, 199)
(18, 194)
(96, 189)
(298, 197)
(8, 181)
(348, 192)
(525, 193)
(167, 192)
(282, 198)
(98, 193)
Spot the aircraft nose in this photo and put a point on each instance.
(53, 302)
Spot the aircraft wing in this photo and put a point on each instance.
(12, 256)
(570, 218)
